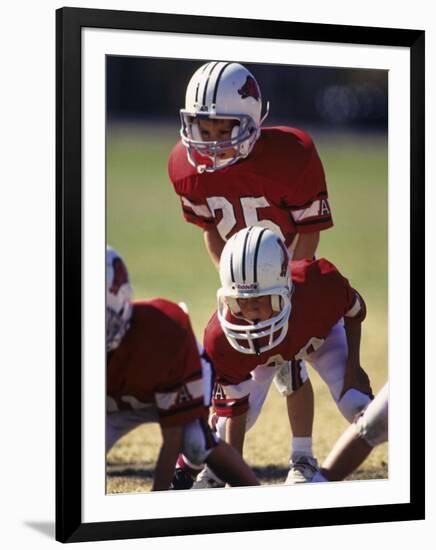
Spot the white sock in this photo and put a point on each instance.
(301, 446)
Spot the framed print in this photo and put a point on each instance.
(139, 154)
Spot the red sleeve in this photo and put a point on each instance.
(197, 212)
(349, 301)
(309, 206)
(231, 400)
(354, 305)
(185, 182)
(181, 398)
(357, 309)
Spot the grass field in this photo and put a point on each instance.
(166, 257)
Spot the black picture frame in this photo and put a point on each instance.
(69, 22)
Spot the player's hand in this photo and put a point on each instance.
(355, 377)
(213, 419)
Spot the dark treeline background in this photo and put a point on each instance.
(150, 89)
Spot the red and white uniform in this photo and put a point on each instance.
(280, 185)
(155, 375)
(321, 298)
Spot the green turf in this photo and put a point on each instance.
(356, 170)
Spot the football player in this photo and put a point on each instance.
(231, 173)
(356, 443)
(274, 314)
(156, 374)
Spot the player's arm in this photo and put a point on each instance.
(306, 246)
(232, 402)
(227, 463)
(309, 206)
(355, 377)
(180, 400)
(346, 456)
(169, 451)
(214, 244)
(235, 431)
(355, 444)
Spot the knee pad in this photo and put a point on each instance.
(352, 403)
(198, 441)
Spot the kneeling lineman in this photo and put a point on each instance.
(156, 374)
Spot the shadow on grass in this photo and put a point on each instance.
(270, 473)
(264, 474)
(130, 470)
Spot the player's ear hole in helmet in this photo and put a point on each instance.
(118, 299)
(254, 263)
(221, 91)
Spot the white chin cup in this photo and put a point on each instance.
(243, 137)
(117, 325)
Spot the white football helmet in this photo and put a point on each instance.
(221, 90)
(255, 262)
(118, 297)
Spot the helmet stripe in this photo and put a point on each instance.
(256, 252)
(232, 274)
(199, 82)
(215, 92)
(244, 253)
(196, 92)
(207, 82)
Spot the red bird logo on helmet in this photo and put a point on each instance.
(249, 89)
(121, 276)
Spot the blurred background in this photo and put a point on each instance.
(353, 99)
(345, 112)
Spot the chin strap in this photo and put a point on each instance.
(265, 115)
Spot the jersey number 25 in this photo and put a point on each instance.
(249, 207)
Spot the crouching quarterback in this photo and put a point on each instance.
(155, 374)
(271, 313)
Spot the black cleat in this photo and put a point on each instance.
(182, 480)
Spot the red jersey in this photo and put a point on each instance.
(280, 185)
(157, 362)
(321, 297)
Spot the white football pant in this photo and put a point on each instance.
(329, 360)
